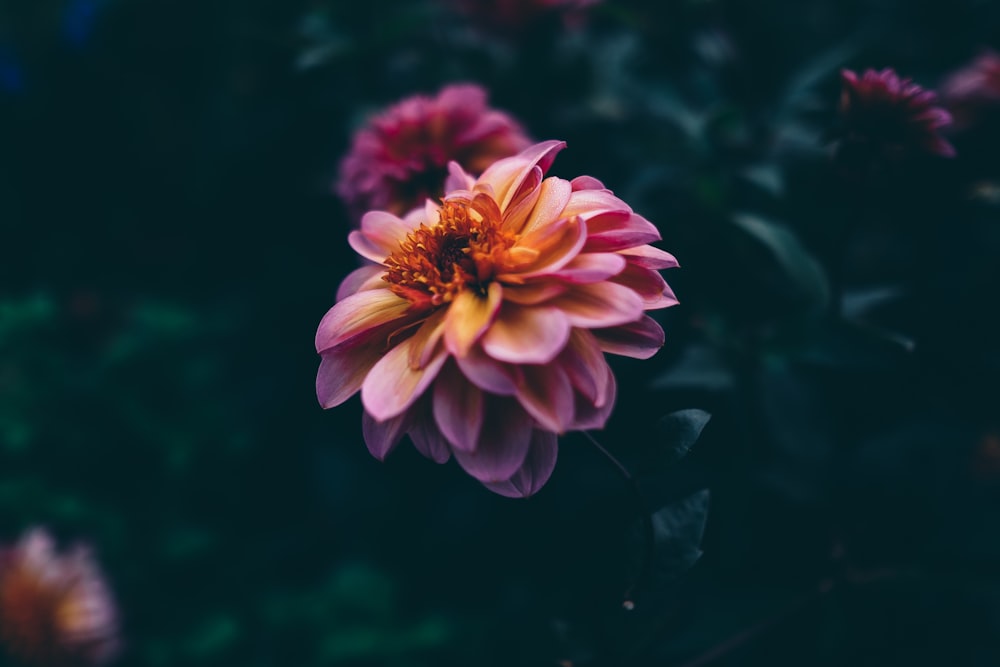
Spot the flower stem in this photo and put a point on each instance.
(646, 566)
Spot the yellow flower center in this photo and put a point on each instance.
(462, 251)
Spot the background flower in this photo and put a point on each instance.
(973, 90)
(401, 156)
(888, 118)
(481, 328)
(55, 609)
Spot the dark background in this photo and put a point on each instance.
(170, 242)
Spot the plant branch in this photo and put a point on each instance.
(646, 567)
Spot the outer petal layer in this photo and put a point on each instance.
(535, 472)
(504, 445)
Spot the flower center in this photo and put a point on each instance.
(462, 251)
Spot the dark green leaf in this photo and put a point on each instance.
(678, 529)
(803, 272)
(682, 429)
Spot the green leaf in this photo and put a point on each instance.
(678, 529)
(682, 429)
(803, 271)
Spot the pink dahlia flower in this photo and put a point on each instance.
(55, 610)
(886, 116)
(401, 157)
(480, 330)
(974, 90)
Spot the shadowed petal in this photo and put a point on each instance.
(535, 472)
(428, 441)
(489, 374)
(458, 408)
(589, 415)
(547, 395)
(503, 446)
(640, 340)
(358, 313)
(585, 365)
(526, 335)
(343, 369)
(382, 437)
(393, 384)
(468, 317)
(599, 305)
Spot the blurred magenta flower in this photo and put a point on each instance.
(401, 157)
(479, 330)
(55, 610)
(514, 16)
(884, 116)
(973, 91)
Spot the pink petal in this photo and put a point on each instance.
(458, 178)
(526, 334)
(517, 211)
(532, 294)
(613, 232)
(587, 183)
(649, 285)
(591, 267)
(553, 246)
(649, 257)
(458, 408)
(382, 437)
(393, 384)
(506, 176)
(379, 236)
(468, 316)
(585, 365)
(428, 441)
(357, 314)
(489, 374)
(423, 345)
(552, 199)
(535, 471)
(366, 278)
(547, 395)
(599, 305)
(590, 204)
(460, 97)
(640, 340)
(343, 369)
(503, 446)
(590, 415)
